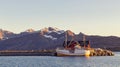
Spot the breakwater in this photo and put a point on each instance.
(27, 53)
(100, 52)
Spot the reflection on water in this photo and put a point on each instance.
(88, 57)
(52, 61)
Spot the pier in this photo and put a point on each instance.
(27, 53)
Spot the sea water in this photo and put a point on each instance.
(53, 61)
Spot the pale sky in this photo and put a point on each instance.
(92, 17)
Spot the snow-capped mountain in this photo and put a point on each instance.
(52, 33)
(49, 38)
(6, 34)
(28, 31)
(52, 30)
(45, 38)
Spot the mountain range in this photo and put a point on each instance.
(51, 38)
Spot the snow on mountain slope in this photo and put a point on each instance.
(52, 33)
(4, 34)
(51, 37)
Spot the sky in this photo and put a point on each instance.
(92, 17)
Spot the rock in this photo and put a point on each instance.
(101, 52)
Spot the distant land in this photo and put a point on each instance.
(51, 38)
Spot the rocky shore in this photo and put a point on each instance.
(101, 52)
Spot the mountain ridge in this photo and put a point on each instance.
(51, 38)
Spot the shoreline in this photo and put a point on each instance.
(43, 53)
(27, 53)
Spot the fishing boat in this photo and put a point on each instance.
(74, 48)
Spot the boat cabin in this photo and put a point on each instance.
(71, 44)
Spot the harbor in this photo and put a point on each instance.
(93, 52)
(80, 48)
(70, 48)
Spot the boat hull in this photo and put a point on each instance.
(76, 52)
(60, 54)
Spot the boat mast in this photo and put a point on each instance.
(84, 40)
(66, 38)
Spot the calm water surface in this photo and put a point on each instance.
(52, 61)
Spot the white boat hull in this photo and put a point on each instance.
(76, 52)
